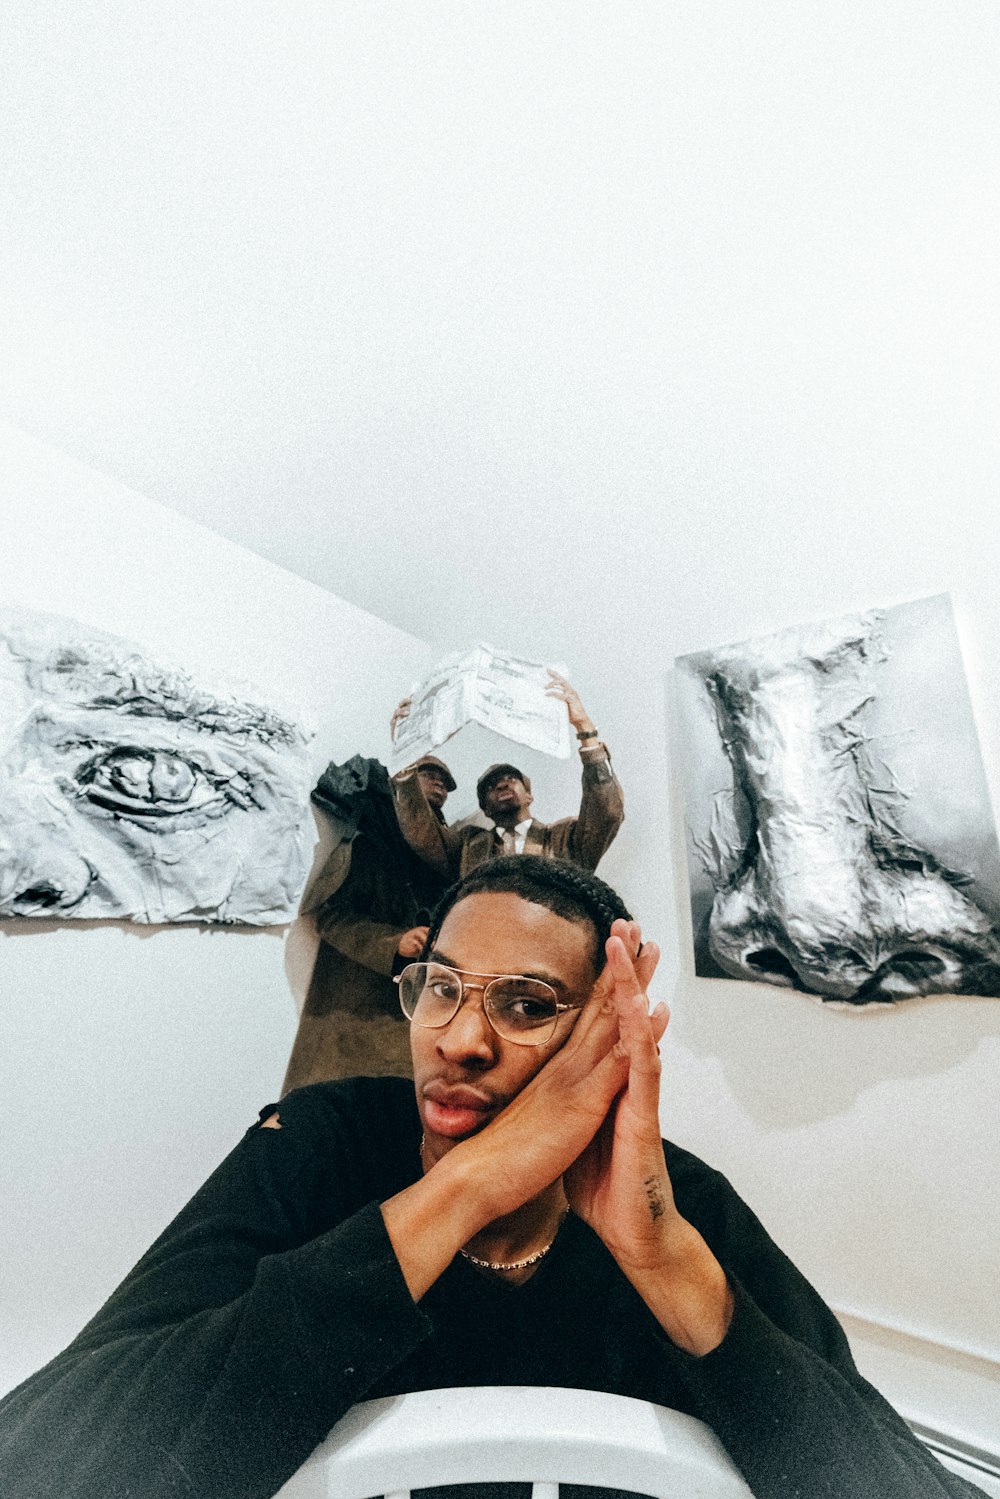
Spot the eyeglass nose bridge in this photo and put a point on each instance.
(466, 987)
(464, 992)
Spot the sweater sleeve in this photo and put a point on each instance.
(782, 1392)
(270, 1305)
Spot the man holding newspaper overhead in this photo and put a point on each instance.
(504, 794)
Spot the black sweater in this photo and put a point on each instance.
(274, 1302)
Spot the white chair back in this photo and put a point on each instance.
(516, 1434)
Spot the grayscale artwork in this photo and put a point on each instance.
(840, 835)
(128, 790)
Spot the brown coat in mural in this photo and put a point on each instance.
(370, 893)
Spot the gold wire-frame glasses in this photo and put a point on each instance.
(523, 1010)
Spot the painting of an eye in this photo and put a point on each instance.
(132, 780)
(130, 789)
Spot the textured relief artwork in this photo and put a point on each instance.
(129, 790)
(840, 835)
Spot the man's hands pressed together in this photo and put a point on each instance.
(585, 1124)
(620, 1184)
(615, 1184)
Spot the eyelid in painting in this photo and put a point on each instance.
(141, 782)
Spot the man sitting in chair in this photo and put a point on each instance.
(518, 1221)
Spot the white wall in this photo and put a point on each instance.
(131, 1059)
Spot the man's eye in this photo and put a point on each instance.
(526, 1009)
(442, 989)
(534, 1009)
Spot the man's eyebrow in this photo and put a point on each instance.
(554, 982)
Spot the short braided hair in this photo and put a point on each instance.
(563, 888)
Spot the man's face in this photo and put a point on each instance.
(463, 1072)
(506, 798)
(128, 791)
(434, 785)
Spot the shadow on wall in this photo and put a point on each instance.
(46, 926)
(789, 1062)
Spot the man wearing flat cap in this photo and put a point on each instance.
(504, 794)
(371, 900)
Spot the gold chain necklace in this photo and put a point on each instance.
(508, 1264)
(532, 1259)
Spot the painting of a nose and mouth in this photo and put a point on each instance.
(129, 790)
(840, 836)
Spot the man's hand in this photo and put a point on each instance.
(620, 1185)
(578, 715)
(401, 711)
(411, 943)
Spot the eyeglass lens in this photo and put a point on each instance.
(518, 1008)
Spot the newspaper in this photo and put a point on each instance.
(503, 692)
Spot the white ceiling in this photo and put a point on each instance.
(409, 296)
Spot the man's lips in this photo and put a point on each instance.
(453, 1110)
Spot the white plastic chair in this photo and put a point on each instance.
(516, 1434)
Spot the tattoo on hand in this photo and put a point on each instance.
(654, 1196)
